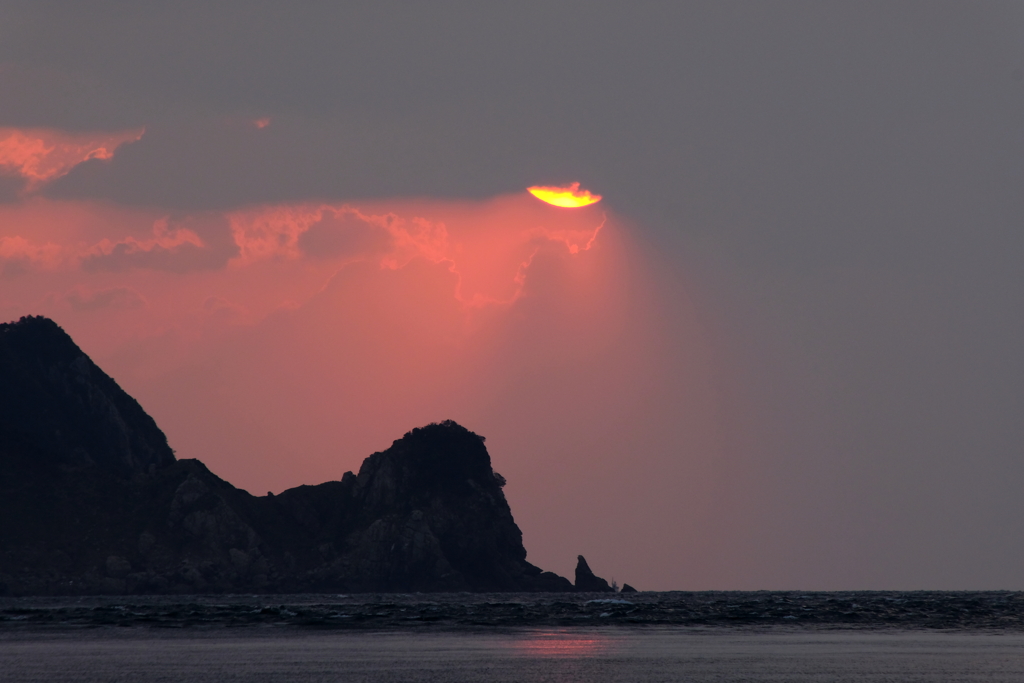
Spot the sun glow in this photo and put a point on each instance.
(569, 197)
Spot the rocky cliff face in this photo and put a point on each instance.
(55, 401)
(95, 502)
(429, 514)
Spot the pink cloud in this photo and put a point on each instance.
(40, 155)
(18, 254)
(176, 249)
(489, 246)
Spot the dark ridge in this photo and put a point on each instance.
(96, 503)
(55, 403)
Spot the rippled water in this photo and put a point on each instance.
(527, 656)
(645, 637)
(859, 610)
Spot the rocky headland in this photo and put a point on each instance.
(95, 502)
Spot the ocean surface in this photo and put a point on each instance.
(642, 637)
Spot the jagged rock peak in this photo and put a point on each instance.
(41, 337)
(587, 582)
(439, 459)
(440, 476)
(56, 402)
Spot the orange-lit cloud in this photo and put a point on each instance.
(273, 232)
(169, 248)
(40, 155)
(488, 246)
(17, 252)
(569, 197)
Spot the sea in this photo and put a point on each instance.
(636, 637)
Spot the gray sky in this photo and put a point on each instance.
(837, 186)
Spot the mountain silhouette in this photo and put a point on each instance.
(95, 502)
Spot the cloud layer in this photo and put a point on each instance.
(39, 156)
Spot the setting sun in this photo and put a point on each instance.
(569, 197)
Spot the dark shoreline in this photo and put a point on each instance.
(1001, 611)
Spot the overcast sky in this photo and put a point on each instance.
(792, 358)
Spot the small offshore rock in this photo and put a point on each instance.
(587, 581)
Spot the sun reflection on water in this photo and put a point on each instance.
(563, 644)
